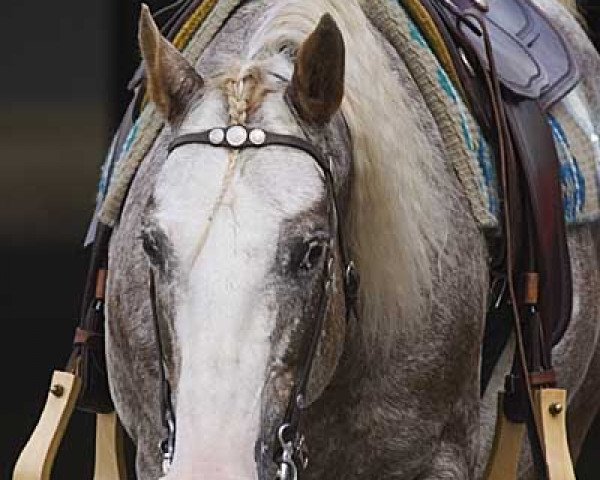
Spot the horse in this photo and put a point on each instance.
(221, 256)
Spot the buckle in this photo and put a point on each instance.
(294, 453)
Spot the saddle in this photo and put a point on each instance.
(513, 66)
(532, 60)
(535, 69)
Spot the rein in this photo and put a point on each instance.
(289, 448)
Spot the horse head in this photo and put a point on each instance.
(243, 245)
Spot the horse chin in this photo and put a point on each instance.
(219, 470)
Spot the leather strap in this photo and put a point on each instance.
(270, 139)
(311, 340)
(88, 338)
(88, 358)
(167, 411)
(539, 161)
(513, 214)
(542, 378)
(466, 67)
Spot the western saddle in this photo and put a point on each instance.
(512, 66)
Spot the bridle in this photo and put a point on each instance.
(289, 447)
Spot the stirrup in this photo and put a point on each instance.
(506, 447)
(37, 458)
(550, 410)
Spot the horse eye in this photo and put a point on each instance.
(313, 255)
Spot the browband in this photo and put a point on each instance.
(240, 137)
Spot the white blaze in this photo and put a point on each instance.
(226, 308)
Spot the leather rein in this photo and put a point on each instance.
(289, 447)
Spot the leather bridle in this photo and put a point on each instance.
(288, 446)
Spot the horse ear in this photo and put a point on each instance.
(317, 85)
(171, 79)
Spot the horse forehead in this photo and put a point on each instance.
(253, 192)
(259, 188)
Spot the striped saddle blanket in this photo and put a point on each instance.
(575, 137)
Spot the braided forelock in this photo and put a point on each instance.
(244, 90)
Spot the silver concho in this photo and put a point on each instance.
(483, 5)
(216, 136)
(257, 136)
(236, 135)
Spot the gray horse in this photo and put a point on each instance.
(236, 240)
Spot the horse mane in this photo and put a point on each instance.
(395, 220)
(571, 6)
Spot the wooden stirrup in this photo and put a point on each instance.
(37, 458)
(506, 448)
(110, 457)
(550, 410)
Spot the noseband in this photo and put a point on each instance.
(288, 447)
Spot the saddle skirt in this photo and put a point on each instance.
(531, 57)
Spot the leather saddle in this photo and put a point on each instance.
(514, 65)
(514, 43)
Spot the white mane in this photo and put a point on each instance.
(396, 219)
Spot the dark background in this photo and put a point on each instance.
(63, 71)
